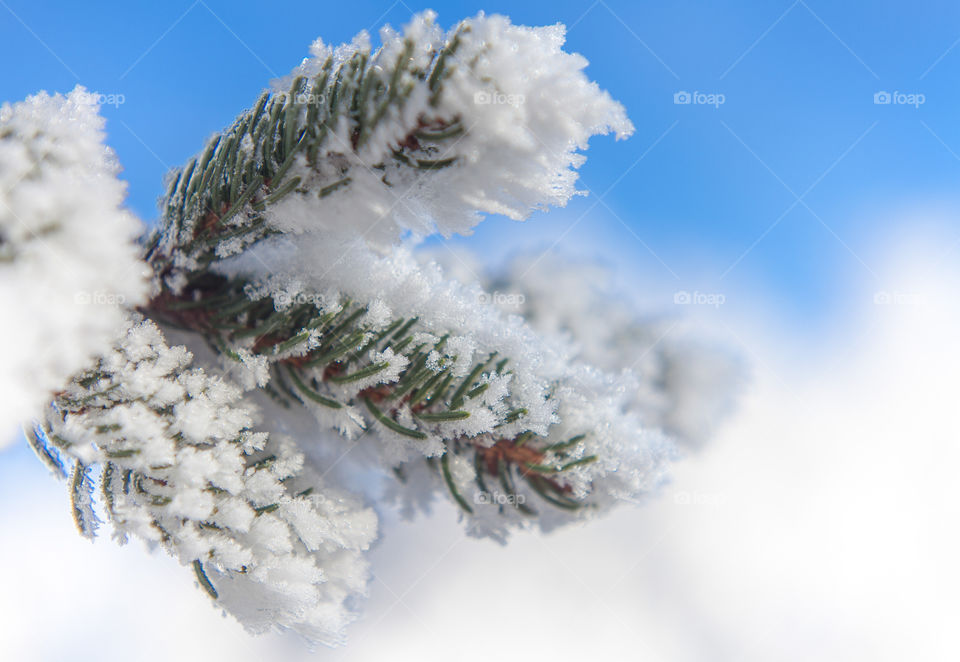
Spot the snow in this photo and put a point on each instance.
(517, 154)
(182, 456)
(684, 383)
(524, 129)
(68, 260)
(208, 488)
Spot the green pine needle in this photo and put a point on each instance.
(205, 582)
(448, 478)
(310, 393)
(439, 417)
(392, 424)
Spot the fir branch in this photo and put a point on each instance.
(407, 113)
(194, 475)
(221, 196)
(320, 374)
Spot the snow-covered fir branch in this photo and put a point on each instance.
(266, 249)
(180, 465)
(283, 258)
(426, 133)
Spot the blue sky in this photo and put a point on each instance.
(705, 197)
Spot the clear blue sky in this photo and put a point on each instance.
(712, 203)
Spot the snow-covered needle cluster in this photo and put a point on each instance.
(278, 260)
(181, 466)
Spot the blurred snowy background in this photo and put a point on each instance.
(803, 208)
